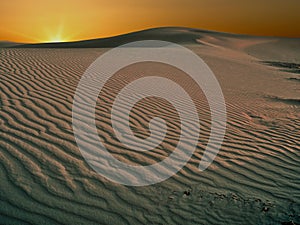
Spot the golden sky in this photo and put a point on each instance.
(68, 20)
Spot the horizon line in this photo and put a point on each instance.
(154, 28)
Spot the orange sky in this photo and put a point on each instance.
(59, 20)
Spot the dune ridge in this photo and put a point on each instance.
(179, 35)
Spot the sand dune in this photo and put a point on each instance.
(8, 44)
(253, 180)
(172, 34)
(176, 35)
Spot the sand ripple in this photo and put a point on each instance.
(45, 180)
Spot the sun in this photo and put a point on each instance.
(55, 34)
(56, 39)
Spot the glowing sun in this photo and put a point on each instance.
(57, 39)
(56, 34)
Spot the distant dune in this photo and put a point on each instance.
(8, 44)
(177, 35)
(275, 47)
(253, 180)
(172, 34)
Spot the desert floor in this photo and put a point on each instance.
(253, 180)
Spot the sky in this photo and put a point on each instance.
(69, 20)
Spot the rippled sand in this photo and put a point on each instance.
(253, 180)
